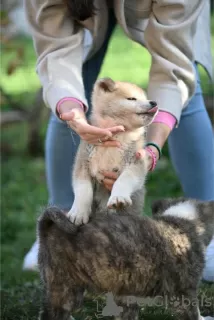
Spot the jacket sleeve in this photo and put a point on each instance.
(58, 43)
(169, 38)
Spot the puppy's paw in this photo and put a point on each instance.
(117, 202)
(78, 217)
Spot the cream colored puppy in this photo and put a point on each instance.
(114, 103)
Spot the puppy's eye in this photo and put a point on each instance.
(131, 99)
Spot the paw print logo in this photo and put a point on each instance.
(111, 308)
(175, 302)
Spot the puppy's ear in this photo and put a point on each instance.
(106, 84)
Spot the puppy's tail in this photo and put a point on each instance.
(54, 216)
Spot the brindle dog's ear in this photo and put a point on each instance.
(107, 84)
(161, 205)
(157, 206)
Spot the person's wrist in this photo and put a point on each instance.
(67, 106)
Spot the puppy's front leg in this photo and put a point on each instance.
(83, 197)
(83, 193)
(130, 180)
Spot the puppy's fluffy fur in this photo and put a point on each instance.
(114, 103)
(126, 255)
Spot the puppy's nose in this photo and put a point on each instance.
(153, 107)
(153, 104)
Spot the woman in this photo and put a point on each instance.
(71, 40)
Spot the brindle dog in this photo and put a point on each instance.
(126, 255)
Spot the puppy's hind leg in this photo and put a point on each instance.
(59, 307)
(187, 309)
(129, 311)
(54, 314)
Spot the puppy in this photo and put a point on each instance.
(125, 255)
(114, 103)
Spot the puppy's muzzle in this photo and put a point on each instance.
(153, 107)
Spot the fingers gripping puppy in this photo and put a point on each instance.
(114, 103)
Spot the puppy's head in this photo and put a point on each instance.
(122, 103)
(200, 213)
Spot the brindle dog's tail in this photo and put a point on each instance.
(54, 216)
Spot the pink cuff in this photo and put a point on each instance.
(69, 99)
(166, 118)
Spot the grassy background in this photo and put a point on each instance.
(24, 192)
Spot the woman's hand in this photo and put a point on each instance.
(111, 177)
(76, 119)
(142, 153)
(158, 133)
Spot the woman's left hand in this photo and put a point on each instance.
(111, 177)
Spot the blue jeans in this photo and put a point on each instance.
(191, 145)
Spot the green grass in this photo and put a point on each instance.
(24, 191)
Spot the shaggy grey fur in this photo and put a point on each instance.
(123, 254)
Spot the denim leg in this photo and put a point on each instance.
(92, 67)
(62, 143)
(191, 147)
(60, 150)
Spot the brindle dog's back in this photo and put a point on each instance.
(123, 254)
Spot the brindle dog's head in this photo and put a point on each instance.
(201, 213)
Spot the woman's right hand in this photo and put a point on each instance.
(76, 119)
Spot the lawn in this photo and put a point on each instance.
(24, 192)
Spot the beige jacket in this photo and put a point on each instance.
(165, 27)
